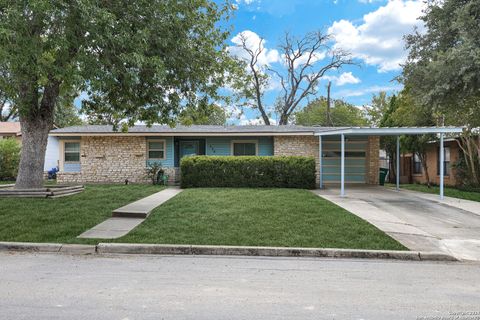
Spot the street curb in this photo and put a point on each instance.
(163, 249)
(48, 247)
(129, 248)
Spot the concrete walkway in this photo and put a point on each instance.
(126, 218)
(421, 222)
(143, 207)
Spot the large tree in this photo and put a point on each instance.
(409, 114)
(305, 61)
(143, 59)
(342, 114)
(443, 70)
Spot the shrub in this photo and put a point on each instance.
(248, 171)
(155, 172)
(9, 158)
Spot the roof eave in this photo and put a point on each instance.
(180, 134)
(392, 131)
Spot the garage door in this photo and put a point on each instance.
(355, 159)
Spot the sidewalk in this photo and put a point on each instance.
(126, 218)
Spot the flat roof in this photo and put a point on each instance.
(206, 130)
(390, 131)
(250, 130)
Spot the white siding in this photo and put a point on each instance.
(52, 154)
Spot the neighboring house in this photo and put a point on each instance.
(97, 154)
(14, 130)
(10, 130)
(413, 171)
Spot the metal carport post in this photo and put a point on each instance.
(396, 131)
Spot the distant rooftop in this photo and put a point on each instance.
(10, 128)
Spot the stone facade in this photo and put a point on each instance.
(373, 160)
(116, 159)
(109, 159)
(297, 146)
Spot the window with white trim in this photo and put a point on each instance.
(446, 161)
(417, 164)
(71, 152)
(156, 149)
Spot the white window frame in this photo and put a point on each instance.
(446, 164)
(62, 153)
(415, 154)
(164, 149)
(232, 144)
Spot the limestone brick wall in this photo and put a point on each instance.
(109, 159)
(297, 146)
(373, 160)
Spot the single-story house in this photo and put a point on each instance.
(413, 171)
(96, 153)
(10, 130)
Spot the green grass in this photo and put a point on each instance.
(63, 219)
(257, 217)
(448, 191)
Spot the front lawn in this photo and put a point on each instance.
(448, 191)
(257, 217)
(63, 219)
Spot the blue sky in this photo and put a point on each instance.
(371, 30)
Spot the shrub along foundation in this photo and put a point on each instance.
(248, 171)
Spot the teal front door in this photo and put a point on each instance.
(188, 148)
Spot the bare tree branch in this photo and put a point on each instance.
(306, 60)
(259, 80)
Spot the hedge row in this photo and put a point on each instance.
(248, 171)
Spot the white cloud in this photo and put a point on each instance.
(369, 1)
(253, 42)
(363, 91)
(343, 79)
(247, 2)
(378, 40)
(302, 60)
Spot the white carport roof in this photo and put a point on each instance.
(390, 131)
(385, 131)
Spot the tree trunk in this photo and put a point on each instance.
(34, 144)
(36, 123)
(425, 168)
(283, 119)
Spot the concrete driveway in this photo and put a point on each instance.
(417, 220)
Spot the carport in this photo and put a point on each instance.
(391, 131)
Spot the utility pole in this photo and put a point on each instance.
(329, 116)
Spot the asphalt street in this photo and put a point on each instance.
(56, 286)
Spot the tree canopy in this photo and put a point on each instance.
(142, 60)
(342, 114)
(443, 66)
(208, 114)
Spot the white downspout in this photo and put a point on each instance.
(342, 167)
(320, 164)
(398, 163)
(442, 164)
